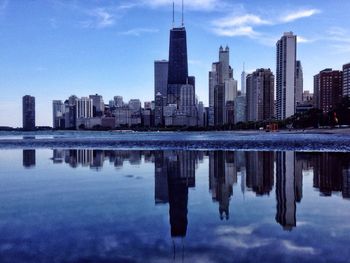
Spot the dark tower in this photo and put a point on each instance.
(28, 113)
(178, 66)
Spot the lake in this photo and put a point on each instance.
(91, 204)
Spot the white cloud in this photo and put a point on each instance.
(298, 249)
(234, 21)
(304, 40)
(236, 31)
(139, 31)
(246, 24)
(238, 25)
(102, 18)
(229, 230)
(292, 16)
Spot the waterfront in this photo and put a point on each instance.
(110, 205)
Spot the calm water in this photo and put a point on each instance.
(164, 206)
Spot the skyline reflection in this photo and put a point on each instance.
(259, 173)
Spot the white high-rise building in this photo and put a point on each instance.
(84, 108)
(286, 75)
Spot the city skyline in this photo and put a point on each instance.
(59, 61)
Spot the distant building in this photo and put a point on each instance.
(346, 80)
(98, 105)
(307, 96)
(260, 95)
(328, 89)
(222, 90)
(286, 75)
(84, 108)
(243, 82)
(58, 114)
(118, 101)
(299, 83)
(161, 68)
(201, 111)
(28, 113)
(240, 109)
(147, 105)
(70, 112)
(158, 111)
(135, 105)
(219, 102)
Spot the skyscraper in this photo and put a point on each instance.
(98, 105)
(286, 75)
(161, 68)
(260, 95)
(328, 85)
(222, 89)
(299, 83)
(181, 87)
(58, 111)
(178, 65)
(243, 82)
(28, 113)
(84, 108)
(346, 80)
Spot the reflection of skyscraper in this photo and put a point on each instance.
(260, 172)
(29, 159)
(97, 159)
(84, 157)
(58, 156)
(181, 176)
(298, 171)
(285, 190)
(161, 179)
(222, 176)
(328, 173)
(346, 183)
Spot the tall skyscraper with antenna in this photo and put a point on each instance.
(181, 87)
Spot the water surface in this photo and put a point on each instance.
(92, 205)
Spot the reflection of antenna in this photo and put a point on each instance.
(173, 14)
(183, 250)
(182, 12)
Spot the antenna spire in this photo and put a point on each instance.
(183, 13)
(173, 14)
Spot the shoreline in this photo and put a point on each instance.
(344, 131)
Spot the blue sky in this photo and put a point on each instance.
(54, 48)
